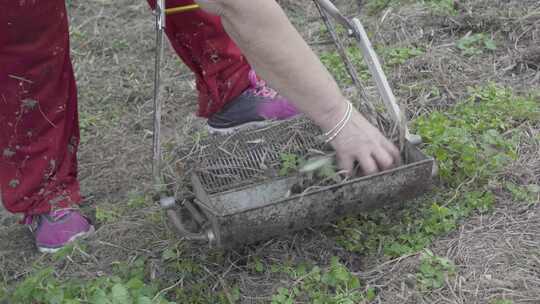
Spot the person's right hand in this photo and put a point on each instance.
(361, 143)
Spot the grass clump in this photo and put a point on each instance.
(44, 286)
(433, 271)
(472, 143)
(332, 285)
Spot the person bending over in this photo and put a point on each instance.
(222, 44)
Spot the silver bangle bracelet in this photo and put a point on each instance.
(340, 122)
(330, 135)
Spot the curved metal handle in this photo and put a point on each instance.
(332, 10)
(357, 30)
(375, 67)
(168, 203)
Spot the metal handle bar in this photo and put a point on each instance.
(204, 235)
(357, 30)
(332, 10)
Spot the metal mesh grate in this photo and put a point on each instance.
(230, 162)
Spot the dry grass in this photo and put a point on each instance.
(497, 255)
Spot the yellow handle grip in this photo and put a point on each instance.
(181, 9)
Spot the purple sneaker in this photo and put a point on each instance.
(255, 108)
(58, 228)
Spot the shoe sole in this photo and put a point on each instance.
(247, 126)
(78, 236)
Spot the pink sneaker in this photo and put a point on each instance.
(255, 108)
(58, 228)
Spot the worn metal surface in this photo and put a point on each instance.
(265, 219)
(252, 207)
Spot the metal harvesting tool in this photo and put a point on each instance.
(241, 195)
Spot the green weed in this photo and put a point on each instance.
(43, 286)
(107, 214)
(441, 7)
(289, 163)
(256, 265)
(137, 200)
(333, 285)
(528, 194)
(197, 289)
(476, 44)
(472, 143)
(391, 57)
(3, 293)
(399, 55)
(476, 138)
(333, 62)
(376, 6)
(433, 271)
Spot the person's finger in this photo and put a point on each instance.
(393, 150)
(368, 164)
(384, 159)
(346, 163)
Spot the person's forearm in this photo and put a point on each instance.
(290, 66)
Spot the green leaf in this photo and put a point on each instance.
(120, 294)
(370, 294)
(533, 188)
(99, 297)
(169, 254)
(143, 300)
(490, 44)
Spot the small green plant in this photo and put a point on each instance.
(106, 214)
(472, 143)
(284, 296)
(136, 200)
(44, 287)
(3, 293)
(334, 63)
(196, 288)
(529, 194)
(476, 138)
(392, 56)
(441, 7)
(256, 265)
(376, 6)
(433, 271)
(397, 56)
(289, 163)
(333, 285)
(476, 44)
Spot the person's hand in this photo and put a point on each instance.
(361, 143)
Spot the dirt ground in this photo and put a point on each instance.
(497, 255)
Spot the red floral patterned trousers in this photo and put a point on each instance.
(39, 132)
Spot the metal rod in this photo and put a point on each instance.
(348, 64)
(374, 66)
(156, 157)
(381, 81)
(182, 9)
(331, 9)
(195, 214)
(182, 230)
